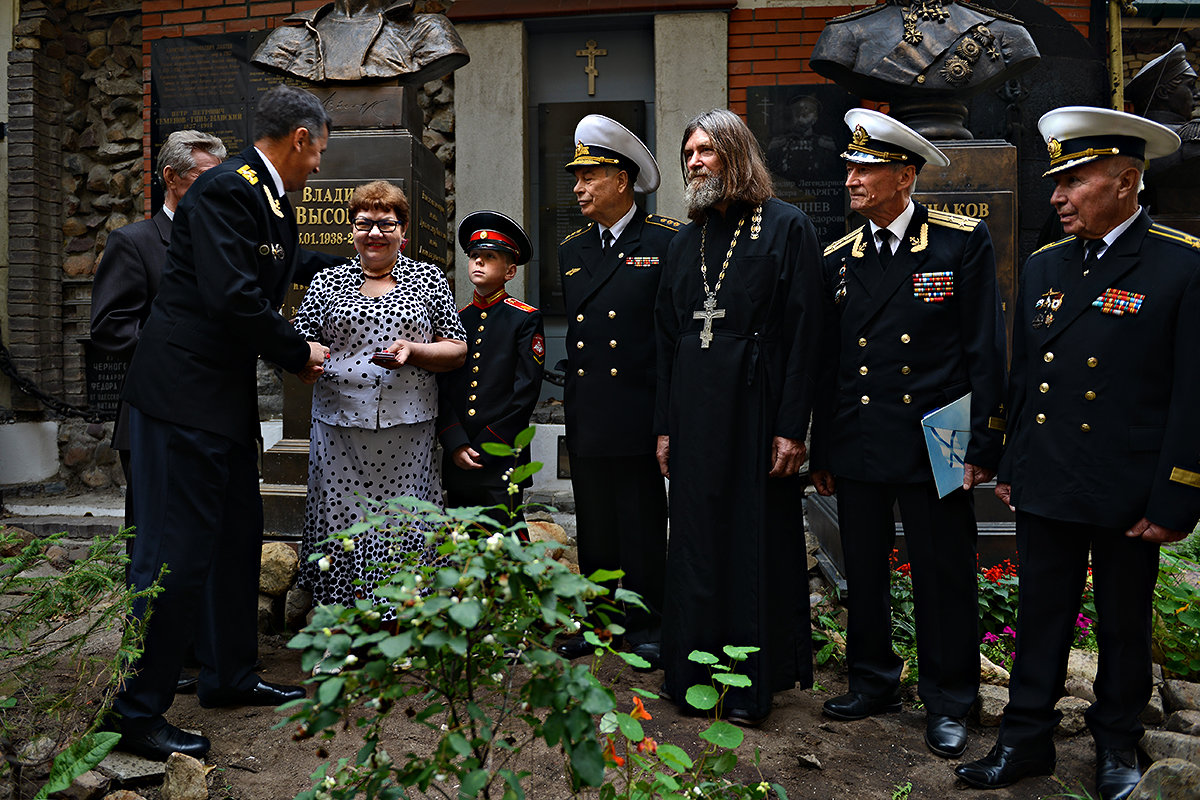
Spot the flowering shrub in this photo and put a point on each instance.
(1177, 616)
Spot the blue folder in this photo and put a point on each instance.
(947, 434)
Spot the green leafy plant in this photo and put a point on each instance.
(1177, 615)
(829, 640)
(901, 791)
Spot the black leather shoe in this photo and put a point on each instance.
(157, 744)
(652, 652)
(1117, 773)
(946, 736)
(263, 694)
(853, 705)
(574, 647)
(186, 684)
(1004, 766)
(742, 717)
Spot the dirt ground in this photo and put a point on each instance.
(871, 758)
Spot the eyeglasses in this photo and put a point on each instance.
(365, 225)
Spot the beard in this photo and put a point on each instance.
(703, 189)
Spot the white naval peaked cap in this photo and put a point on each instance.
(603, 141)
(876, 138)
(1078, 134)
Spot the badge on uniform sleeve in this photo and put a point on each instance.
(1045, 308)
(933, 287)
(1119, 303)
(539, 347)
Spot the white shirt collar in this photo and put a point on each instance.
(1111, 237)
(274, 172)
(898, 226)
(619, 226)
(169, 212)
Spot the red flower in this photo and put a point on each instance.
(610, 753)
(647, 745)
(639, 710)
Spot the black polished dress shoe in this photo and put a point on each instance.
(652, 652)
(1004, 766)
(946, 736)
(263, 694)
(743, 717)
(186, 684)
(574, 647)
(852, 705)
(1117, 773)
(157, 744)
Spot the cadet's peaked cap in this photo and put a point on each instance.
(878, 139)
(600, 141)
(1164, 69)
(1078, 134)
(491, 230)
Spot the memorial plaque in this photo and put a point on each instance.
(801, 131)
(105, 376)
(558, 208)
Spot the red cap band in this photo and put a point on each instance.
(488, 236)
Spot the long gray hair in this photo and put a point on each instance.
(744, 169)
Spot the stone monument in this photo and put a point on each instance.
(1165, 91)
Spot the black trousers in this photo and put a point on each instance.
(200, 515)
(1053, 570)
(940, 535)
(621, 523)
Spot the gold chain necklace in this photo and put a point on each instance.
(711, 311)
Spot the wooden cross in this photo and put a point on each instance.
(709, 313)
(591, 52)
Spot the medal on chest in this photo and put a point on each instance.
(1046, 307)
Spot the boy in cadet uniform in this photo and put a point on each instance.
(491, 397)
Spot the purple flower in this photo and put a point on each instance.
(1008, 630)
(990, 638)
(1083, 623)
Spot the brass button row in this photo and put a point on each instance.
(579, 317)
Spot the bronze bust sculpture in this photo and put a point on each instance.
(1165, 91)
(356, 40)
(923, 54)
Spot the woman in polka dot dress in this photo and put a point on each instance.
(373, 417)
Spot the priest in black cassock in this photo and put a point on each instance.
(737, 319)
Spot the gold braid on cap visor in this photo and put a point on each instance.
(859, 143)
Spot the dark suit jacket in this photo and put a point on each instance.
(610, 370)
(232, 257)
(1106, 381)
(125, 285)
(901, 342)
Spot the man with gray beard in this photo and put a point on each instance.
(737, 321)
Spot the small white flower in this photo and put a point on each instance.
(489, 639)
(323, 564)
(454, 599)
(498, 677)
(329, 782)
(576, 624)
(495, 542)
(418, 580)
(445, 728)
(351, 660)
(372, 615)
(326, 631)
(441, 776)
(348, 545)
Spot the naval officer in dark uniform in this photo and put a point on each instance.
(610, 271)
(194, 422)
(913, 323)
(1103, 450)
(491, 397)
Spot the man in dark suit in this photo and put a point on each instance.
(1103, 450)
(913, 324)
(610, 271)
(131, 267)
(194, 421)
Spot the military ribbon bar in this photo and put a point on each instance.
(1118, 302)
(933, 287)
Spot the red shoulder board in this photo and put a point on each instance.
(515, 303)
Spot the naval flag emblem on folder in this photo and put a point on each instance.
(947, 434)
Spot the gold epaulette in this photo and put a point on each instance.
(845, 240)
(1053, 244)
(1185, 239)
(515, 303)
(247, 172)
(665, 222)
(957, 221)
(571, 236)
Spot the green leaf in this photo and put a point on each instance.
(467, 613)
(739, 653)
(327, 695)
(523, 438)
(497, 449)
(730, 679)
(635, 661)
(473, 783)
(77, 759)
(646, 693)
(779, 790)
(701, 657)
(702, 697)
(608, 723)
(631, 729)
(395, 646)
(675, 757)
(459, 744)
(724, 763)
(524, 471)
(666, 781)
(723, 734)
(587, 761)
(602, 575)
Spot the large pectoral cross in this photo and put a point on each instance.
(591, 52)
(709, 313)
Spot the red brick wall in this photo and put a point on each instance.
(771, 46)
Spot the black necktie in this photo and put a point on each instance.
(606, 240)
(885, 246)
(1091, 254)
